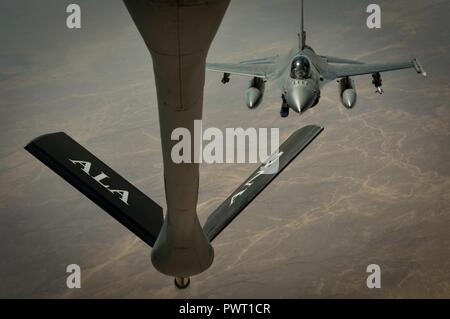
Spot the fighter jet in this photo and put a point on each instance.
(301, 73)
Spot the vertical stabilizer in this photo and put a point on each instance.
(302, 34)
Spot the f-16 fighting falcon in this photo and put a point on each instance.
(301, 73)
(178, 34)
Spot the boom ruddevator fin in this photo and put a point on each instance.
(99, 183)
(260, 178)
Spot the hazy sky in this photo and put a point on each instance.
(372, 189)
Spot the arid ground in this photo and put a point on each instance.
(373, 188)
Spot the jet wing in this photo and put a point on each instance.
(256, 183)
(343, 70)
(262, 69)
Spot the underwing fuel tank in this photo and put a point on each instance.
(347, 91)
(178, 34)
(255, 92)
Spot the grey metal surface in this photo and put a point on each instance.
(178, 35)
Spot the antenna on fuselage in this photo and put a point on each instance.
(302, 34)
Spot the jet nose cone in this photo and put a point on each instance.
(300, 99)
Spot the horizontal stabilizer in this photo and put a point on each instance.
(100, 183)
(260, 178)
(260, 60)
(331, 59)
(264, 70)
(343, 70)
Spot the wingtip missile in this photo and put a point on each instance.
(419, 67)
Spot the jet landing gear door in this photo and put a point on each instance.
(256, 183)
(99, 183)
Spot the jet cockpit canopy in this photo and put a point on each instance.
(300, 68)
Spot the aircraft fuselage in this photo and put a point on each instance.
(301, 85)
